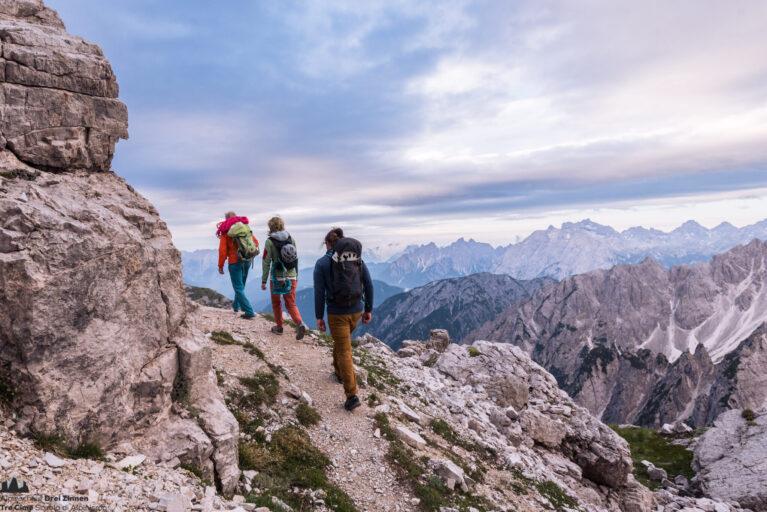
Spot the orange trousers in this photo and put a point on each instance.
(290, 304)
(341, 328)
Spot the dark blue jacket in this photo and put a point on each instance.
(323, 290)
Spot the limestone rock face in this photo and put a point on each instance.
(640, 343)
(58, 106)
(730, 460)
(93, 306)
(94, 337)
(547, 418)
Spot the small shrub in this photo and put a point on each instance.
(474, 352)
(223, 338)
(748, 415)
(219, 377)
(53, 443)
(196, 471)
(373, 400)
(8, 390)
(431, 361)
(87, 451)
(181, 387)
(21, 174)
(307, 415)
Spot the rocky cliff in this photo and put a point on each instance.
(642, 344)
(459, 305)
(94, 346)
(730, 458)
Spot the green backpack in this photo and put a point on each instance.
(243, 238)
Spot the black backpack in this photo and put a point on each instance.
(346, 265)
(286, 252)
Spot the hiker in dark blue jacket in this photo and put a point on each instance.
(345, 308)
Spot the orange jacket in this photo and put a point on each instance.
(228, 249)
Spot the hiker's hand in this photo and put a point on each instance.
(263, 286)
(367, 317)
(220, 270)
(321, 324)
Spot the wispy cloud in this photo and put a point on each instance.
(419, 120)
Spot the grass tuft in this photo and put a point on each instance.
(263, 389)
(223, 338)
(307, 415)
(87, 451)
(55, 443)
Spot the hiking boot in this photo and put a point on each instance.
(276, 330)
(352, 403)
(337, 378)
(248, 317)
(300, 330)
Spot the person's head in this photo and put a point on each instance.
(229, 215)
(275, 224)
(332, 237)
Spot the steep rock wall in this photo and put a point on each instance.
(94, 339)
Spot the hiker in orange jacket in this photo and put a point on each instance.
(238, 270)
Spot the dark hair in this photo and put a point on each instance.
(333, 235)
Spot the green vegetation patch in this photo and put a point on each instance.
(432, 492)
(87, 451)
(223, 338)
(181, 388)
(307, 415)
(263, 388)
(556, 495)
(289, 466)
(55, 443)
(474, 352)
(196, 471)
(379, 375)
(597, 358)
(443, 429)
(21, 174)
(647, 445)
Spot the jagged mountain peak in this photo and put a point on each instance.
(586, 327)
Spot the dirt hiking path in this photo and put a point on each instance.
(347, 438)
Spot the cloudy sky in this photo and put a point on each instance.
(425, 121)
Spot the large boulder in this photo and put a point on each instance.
(58, 108)
(730, 459)
(95, 343)
(547, 415)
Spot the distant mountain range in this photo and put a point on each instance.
(459, 305)
(646, 345)
(557, 253)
